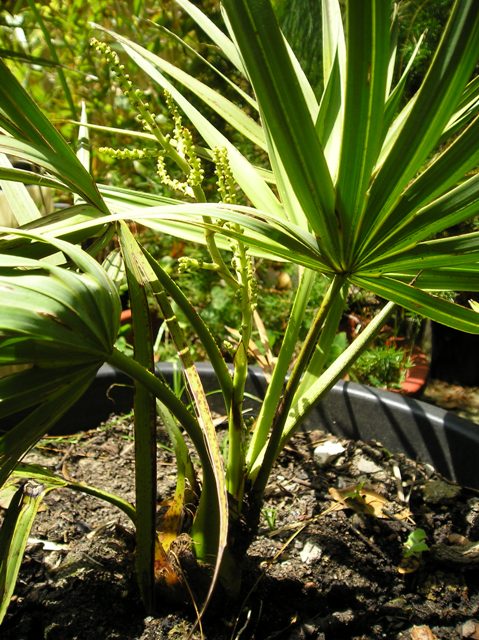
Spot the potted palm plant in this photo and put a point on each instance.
(357, 189)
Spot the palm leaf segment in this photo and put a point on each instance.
(60, 325)
(364, 187)
(27, 133)
(375, 212)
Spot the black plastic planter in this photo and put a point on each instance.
(454, 355)
(401, 424)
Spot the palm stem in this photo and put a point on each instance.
(302, 361)
(145, 429)
(306, 399)
(276, 385)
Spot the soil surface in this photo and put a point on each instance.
(328, 562)
(460, 399)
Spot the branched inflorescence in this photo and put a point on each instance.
(241, 262)
(186, 150)
(179, 148)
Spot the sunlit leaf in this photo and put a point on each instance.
(414, 299)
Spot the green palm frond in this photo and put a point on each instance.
(369, 184)
(60, 325)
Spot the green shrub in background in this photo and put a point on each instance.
(420, 19)
(48, 44)
(301, 22)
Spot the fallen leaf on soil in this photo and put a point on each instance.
(366, 501)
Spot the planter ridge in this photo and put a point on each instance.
(350, 410)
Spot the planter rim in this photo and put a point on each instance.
(354, 411)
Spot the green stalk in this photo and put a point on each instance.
(329, 303)
(207, 340)
(213, 250)
(236, 431)
(276, 385)
(210, 534)
(48, 478)
(186, 478)
(323, 348)
(216, 256)
(116, 501)
(163, 392)
(306, 399)
(215, 503)
(145, 431)
(210, 526)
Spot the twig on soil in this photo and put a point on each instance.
(398, 480)
(374, 547)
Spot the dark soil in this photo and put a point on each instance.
(325, 565)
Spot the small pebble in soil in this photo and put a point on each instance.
(470, 629)
(365, 465)
(310, 552)
(437, 491)
(327, 452)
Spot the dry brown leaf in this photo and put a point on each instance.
(369, 502)
(165, 571)
(170, 520)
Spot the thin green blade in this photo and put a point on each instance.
(284, 109)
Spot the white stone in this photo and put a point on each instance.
(327, 451)
(310, 552)
(365, 465)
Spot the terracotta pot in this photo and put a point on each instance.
(417, 375)
(125, 317)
